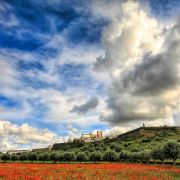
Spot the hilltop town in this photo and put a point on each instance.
(149, 134)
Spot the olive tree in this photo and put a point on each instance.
(158, 154)
(59, 157)
(118, 148)
(14, 157)
(171, 151)
(43, 157)
(110, 156)
(53, 157)
(95, 156)
(81, 156)
(5, 157)
(135, 157)
(69, 156)
(123, 156)
(23, 157)
(32, 156)
(146, 156)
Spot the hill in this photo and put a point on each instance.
(133, 141)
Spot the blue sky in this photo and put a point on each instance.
(56, 55)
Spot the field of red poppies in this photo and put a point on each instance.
(109, 171)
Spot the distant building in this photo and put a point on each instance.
(88, 137)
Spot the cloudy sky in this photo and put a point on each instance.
(73, 66)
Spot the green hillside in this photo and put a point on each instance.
(130, 143)
(141, 145)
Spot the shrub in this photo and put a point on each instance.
(84, 148)
(91, 149)
(123, 156)
(81, 156)
(59, 157)
(66, 147)
(104, 148)
(69, 156)
(126, 144)
(95, 156)
(144, 140)
(95, 144)
(118, 148)
(136, 157)
(112, 146)
(146, 156)
(110, 156)
(98, 148)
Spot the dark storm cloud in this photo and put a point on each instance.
(155, 74)
(84, 108)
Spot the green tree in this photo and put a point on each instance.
(14, 157)
(112, 145)
(158, 154)
(110, 156)
(95, 156)
(117, 148)
(5, 157)
(32, 156)
(128, 157)
(131, 157)
(69, 156)
(171, 151)
(104, 148)
(123, 156)
(53, 157)
(43, 157)
(136, 157)
(59, 157)
(91, 149)
(87, 153)
(98, 148)
(146, 156)
(23, 157)
(81, 156)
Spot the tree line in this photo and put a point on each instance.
(170, 150)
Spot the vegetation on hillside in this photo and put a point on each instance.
(160, 147)
(169, 151)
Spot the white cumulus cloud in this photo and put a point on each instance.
(142, 60)
(13, 136)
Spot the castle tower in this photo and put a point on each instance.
(99, 134)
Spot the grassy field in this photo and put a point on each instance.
(108, 171)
